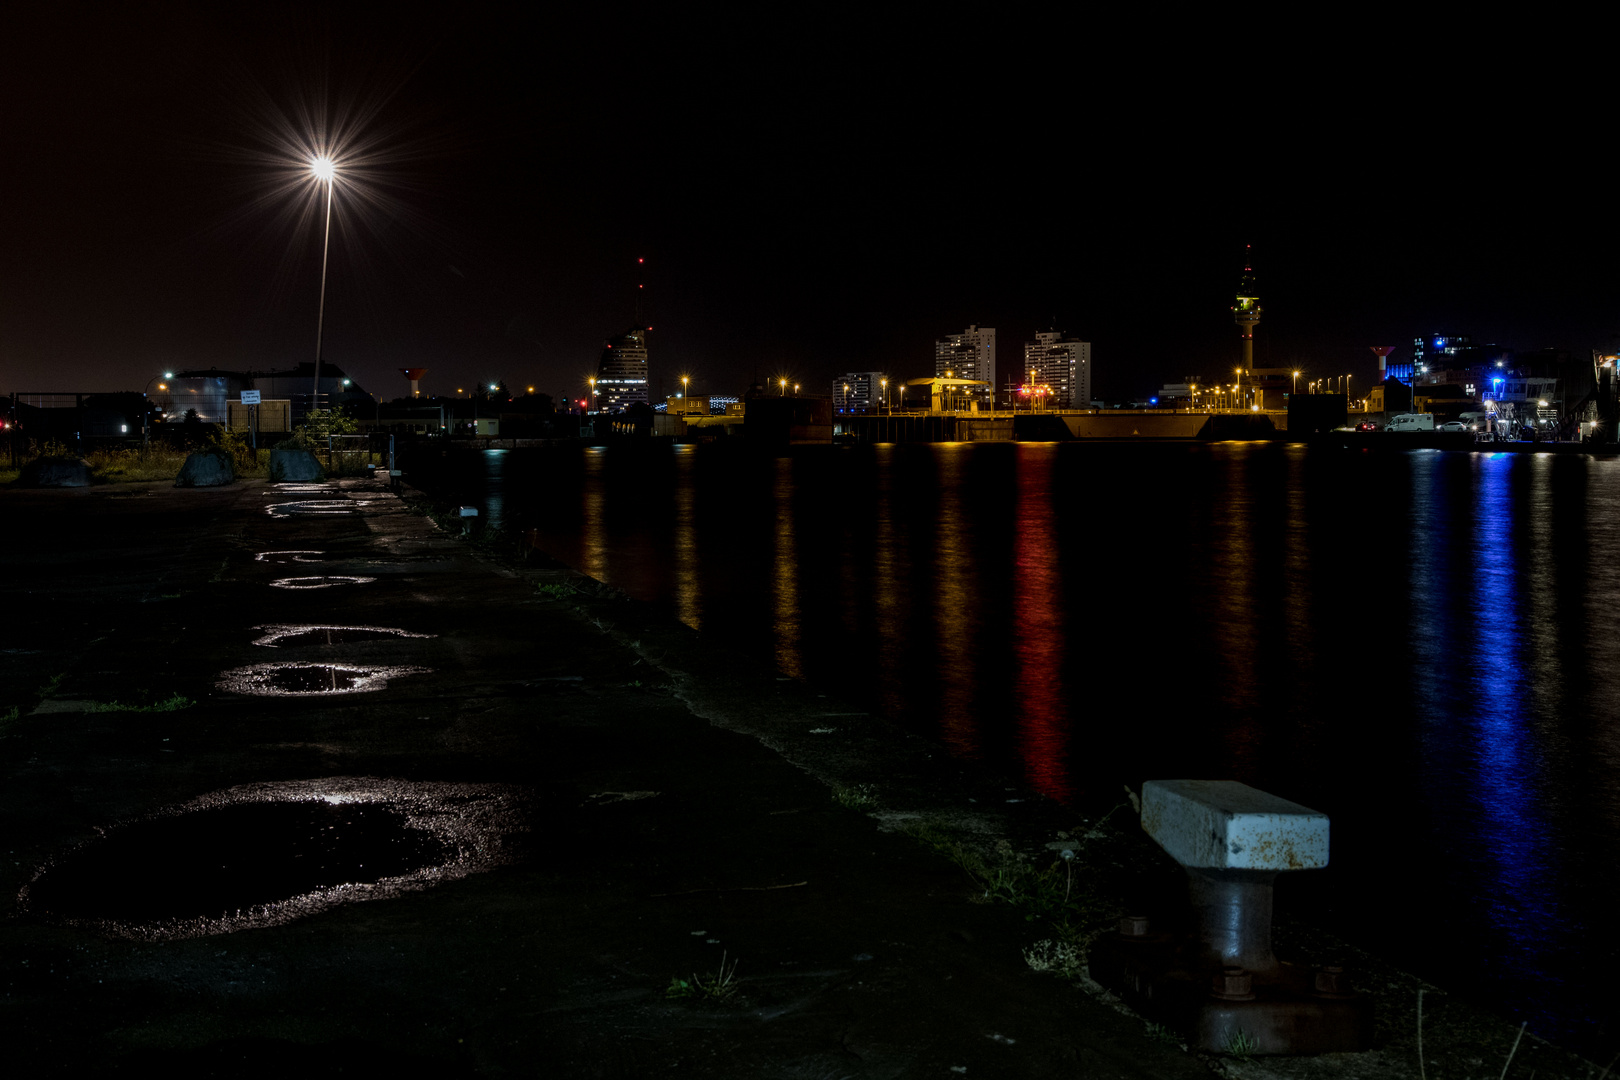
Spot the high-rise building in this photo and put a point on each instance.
(969, 355)
(858, 390)
(1061, 363)
(621, 375)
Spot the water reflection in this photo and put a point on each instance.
(593, 526)
(1512, 838)
(1416, 643)
(890, 601)
(1231, 581)
(785, 574)
(494, 508)
(1039, 632)
(953, 589)
(684, 540)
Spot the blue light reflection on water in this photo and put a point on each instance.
(1419, 644)
(1512, 834)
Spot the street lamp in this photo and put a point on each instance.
(146, 413)
(784, 386)
(592, 380)
(885, 384)
(1296, 382)
(324, 172)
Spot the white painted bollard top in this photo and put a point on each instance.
(1225, 825)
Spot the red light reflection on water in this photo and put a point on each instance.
(1038, 637)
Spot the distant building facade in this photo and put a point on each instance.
(621, 374)
(857, 390)
(969, 355)
(1064, 364)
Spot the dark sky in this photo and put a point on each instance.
(815, 190)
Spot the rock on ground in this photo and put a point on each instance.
(294, 466)
(206, 468)
(52, 472)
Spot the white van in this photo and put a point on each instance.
(1411, 421)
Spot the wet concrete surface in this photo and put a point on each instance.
(675, 808)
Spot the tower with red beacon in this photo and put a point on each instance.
(1382, 352)
(1246, 311)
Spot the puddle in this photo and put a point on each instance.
(323, 582)
(304, 489)
(278, 636)
(311, 508)
(298, 680)
(264, 854)
(288, 556)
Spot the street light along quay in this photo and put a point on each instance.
(325, 172)
(146, 413)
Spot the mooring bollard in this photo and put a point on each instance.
(1219, 980)
(1233, 840)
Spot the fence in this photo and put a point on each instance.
(353, 452)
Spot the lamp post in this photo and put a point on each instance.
(784, 386)
(325, 172)
(1296, 382)
(146, 413)
(885, 384)
(592, 380)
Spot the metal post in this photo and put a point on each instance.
(320, 318)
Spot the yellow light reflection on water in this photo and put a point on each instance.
(684, 541)
(593, 553)
(955, 610)
(785, 577)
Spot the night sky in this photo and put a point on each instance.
(815, 190)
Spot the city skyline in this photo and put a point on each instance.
(506, 188)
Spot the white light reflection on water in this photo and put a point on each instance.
(494, 508)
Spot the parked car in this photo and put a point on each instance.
(1368, 425)
(1453, 425)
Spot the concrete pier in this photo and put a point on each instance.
(655, 845)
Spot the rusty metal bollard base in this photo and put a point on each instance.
(1285, 1010)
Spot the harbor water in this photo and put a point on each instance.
(1421, 644)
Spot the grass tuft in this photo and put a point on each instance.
(1239, 1044)
(1061, 958)
(859, 797)
(715, 987)
(170, 704)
